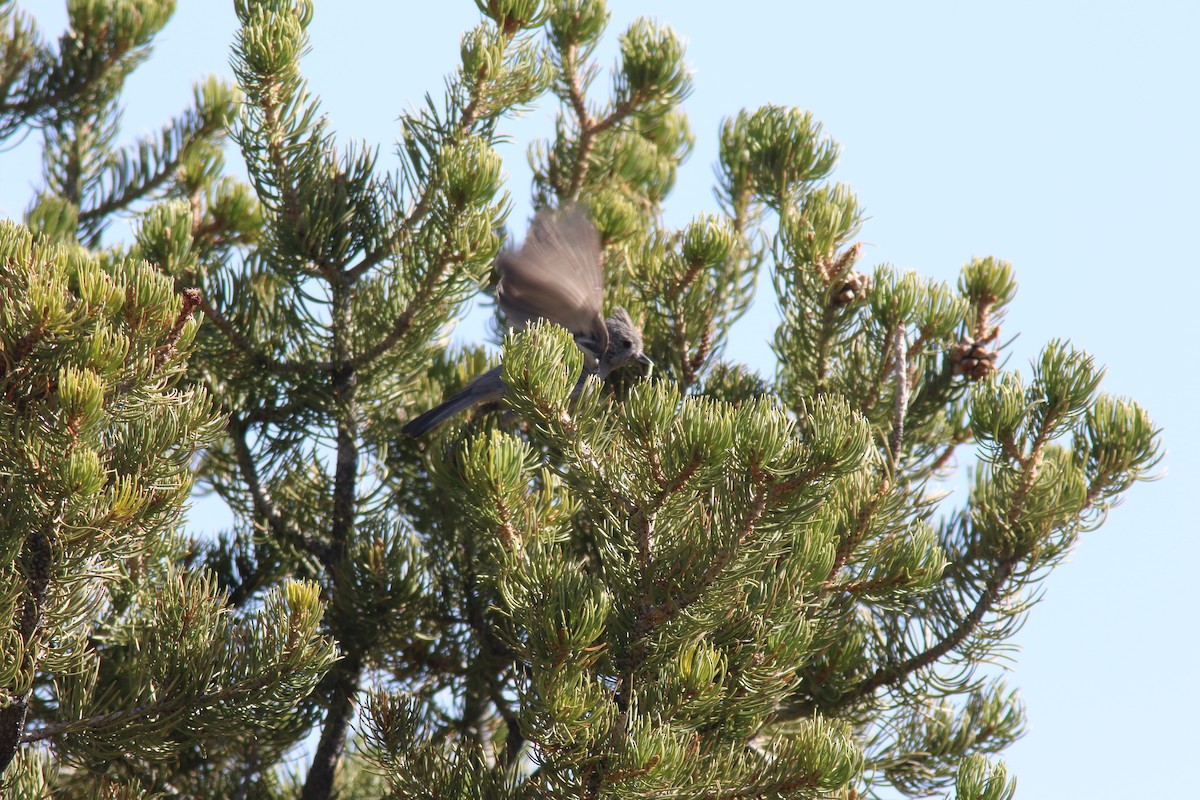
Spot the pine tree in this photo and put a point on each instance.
(702, 583)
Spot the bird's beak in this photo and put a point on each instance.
(645, 361)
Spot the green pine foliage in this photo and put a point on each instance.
(119, 659)
(701, 583)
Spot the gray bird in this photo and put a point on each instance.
(556, 276)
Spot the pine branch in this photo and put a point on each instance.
(318, 784)
(654, 615)
(58, 89)
(191, 298)
(583, 120)
(256, 357)
(944, 457)
(264, 506)
(883, 367)
(421, 208)
(848, 544)
(152, 167)
(344, 384)
(496, 656)
(825, 341)
(589, 128)
(901, 404)
(38, 557)
(993, 588)
(275, 136)
(992, 592)
(404, 320)
(117, 719)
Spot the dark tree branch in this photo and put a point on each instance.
(993, 588)
(589, 127)
(403, 322)
(891, 675)
(166, 171)
(343, 686)
(341, 691)
(264, 506)
(37, 556)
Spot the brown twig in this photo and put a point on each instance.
(404, 319)
(855, 536)
(254, 355)
(896, 440)
(417, 213)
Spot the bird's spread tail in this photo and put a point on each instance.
(439, 415)
(486, 388)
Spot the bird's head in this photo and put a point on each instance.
(624, 343)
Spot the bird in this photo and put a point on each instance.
(557, 276)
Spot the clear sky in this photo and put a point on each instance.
(1061, 136)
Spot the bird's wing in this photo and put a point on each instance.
(557, 276)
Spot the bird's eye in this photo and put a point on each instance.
(626, 343)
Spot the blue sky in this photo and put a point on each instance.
(1060, 136)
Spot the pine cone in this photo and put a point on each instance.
(973, 359)
(855, 287)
